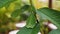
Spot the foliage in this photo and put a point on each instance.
(4, 19)
(52, 15)
(33, 25)
(49, 14)
(30, 22)
(7, 8)
(34, 30)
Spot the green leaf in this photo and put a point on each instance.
(34, 30)
(19, 11)
(55, 32)
(23, 17)
(31, 21)
(25, 7)
(51, 15)
(15, 13)
(5, 2)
